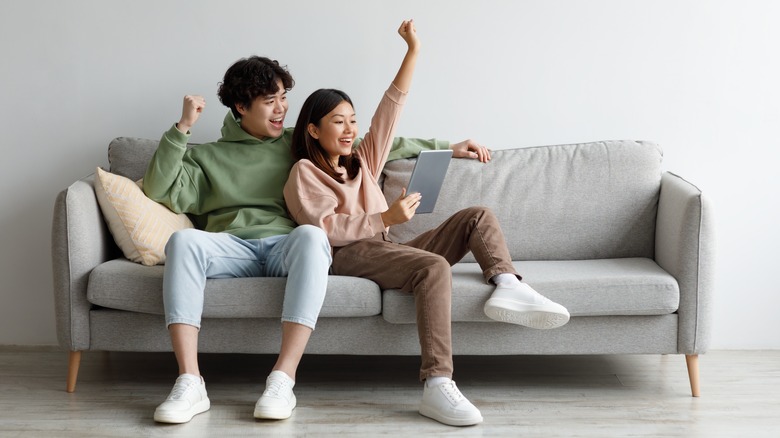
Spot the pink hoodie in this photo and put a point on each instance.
(351, 211)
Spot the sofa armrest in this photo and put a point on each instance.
(684, 247)
(80, 241)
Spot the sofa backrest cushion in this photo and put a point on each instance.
(129, 156)
(563, 202)
(566, 202)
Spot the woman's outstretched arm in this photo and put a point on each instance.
(403, 80)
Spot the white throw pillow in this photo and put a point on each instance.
(140, 226)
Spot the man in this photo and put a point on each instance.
(234, 189)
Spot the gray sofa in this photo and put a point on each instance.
(597, 227)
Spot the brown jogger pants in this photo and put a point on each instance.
(422, 267)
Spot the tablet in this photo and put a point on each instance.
(428, 177)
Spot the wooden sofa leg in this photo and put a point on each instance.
(692, 360)
(73, 370)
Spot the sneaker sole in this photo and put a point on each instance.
(533, 316)
(449, 421)
(182, 417)
(266, 413)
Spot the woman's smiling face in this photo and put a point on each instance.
(336, 132)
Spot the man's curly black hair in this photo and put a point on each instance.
(249, 78)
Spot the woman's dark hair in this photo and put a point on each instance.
(249, 78)
(304, 146)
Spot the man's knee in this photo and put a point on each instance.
(309, 234)
(181, 240)
(310, 241)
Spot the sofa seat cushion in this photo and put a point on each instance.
(124, 285)
(629, 286)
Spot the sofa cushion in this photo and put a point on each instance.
(140, 226)
(123, 285)
(567, 202)
(129, 156)
(609, 287)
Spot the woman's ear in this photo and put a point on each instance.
(313, 131)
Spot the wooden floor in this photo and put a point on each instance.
(528, 396)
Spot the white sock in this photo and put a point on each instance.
(430, 382)
(506, 279)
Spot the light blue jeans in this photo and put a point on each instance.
(192, 256)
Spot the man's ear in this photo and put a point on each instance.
(241, 109)
(313, 131)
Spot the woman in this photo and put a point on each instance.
(335, 187)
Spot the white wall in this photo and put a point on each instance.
(698, 77)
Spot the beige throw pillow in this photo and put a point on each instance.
(140, 226)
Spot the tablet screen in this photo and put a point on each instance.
(428, 177)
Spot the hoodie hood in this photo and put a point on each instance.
(233, 132)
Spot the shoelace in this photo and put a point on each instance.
(452, 392)
(276, 386)
(180, 388)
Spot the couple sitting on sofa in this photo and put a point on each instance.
(247, 211)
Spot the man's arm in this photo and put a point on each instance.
(470, 149)
(410, 147)
(166, 177)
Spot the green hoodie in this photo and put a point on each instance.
(236, 184)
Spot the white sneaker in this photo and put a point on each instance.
(278, 400)
(445, 404)
(524, 306)
(187, 399)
